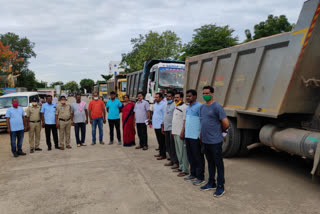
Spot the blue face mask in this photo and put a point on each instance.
(170, 101)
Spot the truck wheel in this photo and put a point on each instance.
(231, 144)
(248, 137)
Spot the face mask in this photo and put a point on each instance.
(178, 103)
(207, 97)
(170, 101)
(15, 105)
(63, 101)
(34, 103)
(95, 98)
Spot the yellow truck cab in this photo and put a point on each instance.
(121, 88)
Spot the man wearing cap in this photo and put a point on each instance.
(34, 125)
(63, 121)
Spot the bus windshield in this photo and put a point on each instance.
(171, 77)
(6, 102)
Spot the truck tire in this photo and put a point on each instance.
(248, 137)
(231, 144)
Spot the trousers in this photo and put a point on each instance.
(171, 148)
(112, 124)
(34, 135)
(64, 132)
(51, 128)
(142, 133)
(162, 142)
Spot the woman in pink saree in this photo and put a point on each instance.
(128, 122)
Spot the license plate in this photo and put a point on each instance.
(3, 123)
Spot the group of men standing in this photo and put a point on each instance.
(50, 116)
(188, 132)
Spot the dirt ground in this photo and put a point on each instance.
(115, 179)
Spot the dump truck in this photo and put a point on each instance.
(157, 75)
(101, 89)
(118, 85)
(269, 88)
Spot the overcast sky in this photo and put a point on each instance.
(76, 39)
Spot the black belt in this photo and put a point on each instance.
(64, 119)
(35, 121)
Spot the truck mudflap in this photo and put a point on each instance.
(316, 167)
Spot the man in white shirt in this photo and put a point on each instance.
(178, 134)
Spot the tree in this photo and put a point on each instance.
(166, 45)
(8, 59)
(100, 81)
(53, 84)
(24, 49)
(273, 25)
(41, 84)
(72, 86)
(107, 77)
(209, 38)
(87, 84)
(29, 80)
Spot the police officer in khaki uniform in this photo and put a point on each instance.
(63, 121)
(34, 125)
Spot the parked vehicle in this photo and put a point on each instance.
(102, 89)
(118, 85)
(24, 99)
(157, 75)
(269, 88)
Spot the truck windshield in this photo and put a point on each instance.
(123, 86)
(173, 77)
(6, 102)
(103, 88)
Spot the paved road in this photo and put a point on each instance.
(114, 179)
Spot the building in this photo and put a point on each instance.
(114, 68)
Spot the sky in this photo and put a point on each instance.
(76, 39)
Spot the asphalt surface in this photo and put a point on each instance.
(115, 179)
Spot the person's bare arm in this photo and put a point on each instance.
(72, 123)
(225, 124)
(104, 115)
(8, 125)
(182, 131)
(57, 121)
(90, 116)
(24, 123)
(86, 111)
(149, 116)
(42, 119)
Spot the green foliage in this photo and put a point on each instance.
(209, 38)
(100, 81)
(107, 77)
(25, 50)
(87, 84)
(153, 45)
(41, 84)
(273, 25)
(72, 86)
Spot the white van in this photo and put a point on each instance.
(24, 99)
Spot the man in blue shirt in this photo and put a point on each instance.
(157, 121)
(48, 117)
(192, 139)
(113, 107)
(16, 126)
(213, 122)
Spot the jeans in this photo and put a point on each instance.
(195, 157)
(16, 138)
(161, 142)
(53, 128)
(77, 128)
(142, 133)
(213, 154)
(112, 124)
(171, 147)
(95, 122)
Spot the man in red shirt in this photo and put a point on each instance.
(97, 115)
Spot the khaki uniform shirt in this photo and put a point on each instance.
(33, 113)
(63, 111)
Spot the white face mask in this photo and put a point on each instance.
(96, 98)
